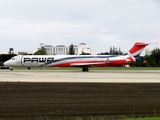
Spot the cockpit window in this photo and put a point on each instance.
(13, 58)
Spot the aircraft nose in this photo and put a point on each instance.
(6, 63)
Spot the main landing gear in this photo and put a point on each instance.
(85, 69)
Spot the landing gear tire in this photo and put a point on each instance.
(29, 68)
(10, 68)
(85, 69)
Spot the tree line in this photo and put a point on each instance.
(113, 51)
(152, 60)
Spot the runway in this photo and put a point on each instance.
(95, 76)
(66, 94)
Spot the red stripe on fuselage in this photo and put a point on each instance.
(105, 64)
(131, 59)
(68, 64)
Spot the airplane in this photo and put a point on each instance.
(81, 61)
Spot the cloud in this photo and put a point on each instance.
(99, 23)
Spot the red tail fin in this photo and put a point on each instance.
(137, 48)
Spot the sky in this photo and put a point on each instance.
(24, 24)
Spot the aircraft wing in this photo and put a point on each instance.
(86, 64)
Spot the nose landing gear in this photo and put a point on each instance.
(10, 68)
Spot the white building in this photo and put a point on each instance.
(60, 50)
(49, 49)
(75, 49)
(83, 48)
(63, 50)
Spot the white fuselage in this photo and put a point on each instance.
(68, 60)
